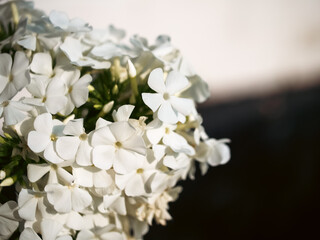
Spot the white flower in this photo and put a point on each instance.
(8, 219)
(66, 198)
(171, 108)
(75, 145)
(74, 51)
(47, 87)
(157, 131)
(28, 202)
(49, 231)
(61, 20)
(13, 77)
(13, 112)
(44, 138)
(91, 176)
(77, 89)
(105, 233)
(115, 202)
(117, 145)
(56, 172)
(214, 152)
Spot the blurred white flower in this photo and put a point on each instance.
(66, 198)
(13, 77)
(9, 221)
(13, 112)
(106, 233)
(61, 20)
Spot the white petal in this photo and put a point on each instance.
(28, 42)
(50, 229)
(103, 136)
(167, 114)
(219, 154)
(135, 187)
(125, 161)
(83, 176)
(136, 144)
(152, 100)
(155, 135)
(74, 127)
(115, 202)
(178, 143)
(29, 234)
(5, 65)
(182, 105)
(59, 19)
(51, 155)
(103, 156)
(42, 64)
(199, 89)
(28, 210)
(123, 113)
(176, 82)
(67, 147)
(38, 141)
(102, 123)
(37, 171)
(83, 156)
(156, 81)
(122, 131)
(64, 175)
(74, 221)
(20, 63)
(60, 197)
(111, 236)
(80, 199)
(79, 93)
(122, 180)
(101, 179)
(72, 48)
(43, 123)
(85, 235)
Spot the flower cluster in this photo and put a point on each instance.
(97, 132)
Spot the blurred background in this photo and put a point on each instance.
(261, 59)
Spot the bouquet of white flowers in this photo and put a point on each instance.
(96, 132)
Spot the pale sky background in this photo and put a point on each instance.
(241, 47)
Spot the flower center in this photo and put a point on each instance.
(167, 131)
(53, 137)
(5, 103)
(118, 144)
(70, 89)
(140, 170)
(44, 99)
(10, 77)
(83, 137)
(166, 96)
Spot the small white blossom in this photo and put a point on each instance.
(117, 145)
(44, 138)
(171, 108)
(13, 77)
(8, 219)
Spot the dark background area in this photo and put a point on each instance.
(269, 189)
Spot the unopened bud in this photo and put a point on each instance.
(107, 107)
(7, 182)
(131, 69)
(115, 90)
(91, 88)
(2, 174)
